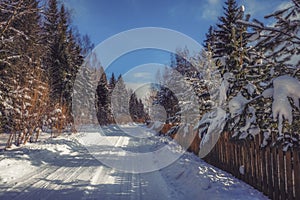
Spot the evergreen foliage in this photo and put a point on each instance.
(103, 100)
(39, 58)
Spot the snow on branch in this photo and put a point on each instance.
(278, 12)
(284, 87)
(266, 28)
(19, 32)
(5, 62)
(237, 105)
(210, 128)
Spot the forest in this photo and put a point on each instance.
(41, 53)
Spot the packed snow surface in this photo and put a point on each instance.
(62, 168)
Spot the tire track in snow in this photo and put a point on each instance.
(34, 187)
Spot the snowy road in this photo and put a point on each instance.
(62, 168)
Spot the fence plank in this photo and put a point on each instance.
(234, 148)
(269, 168)
(296, 157)
(251, 163)
(244, 160)
(248, 164)
(264, 163)
(275, 173)
(258, 163)
(227, 153)
(289, 175)
(282, 174)
(240, 158)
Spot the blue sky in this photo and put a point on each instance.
(101, 19)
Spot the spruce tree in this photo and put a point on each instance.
(86, 45)
(136, 109)
(133, 107)
(229, 48)
(103, 100)
(52, 60)
(63, 57)
(120, 102)
(83, 99)
(75, 61)
(275, 53)
(210, 41)
(112, 81)
(23, 94)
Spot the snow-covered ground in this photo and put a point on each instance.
(62, 168)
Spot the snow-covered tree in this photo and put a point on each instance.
(120, 99)
(28, 52)
(83, 99)
(112, 81)
(136, 108)
(103, 106)
(274, 53)
(24, 91)
(210, 41)
(63, 57)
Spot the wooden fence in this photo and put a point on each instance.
(271, 170)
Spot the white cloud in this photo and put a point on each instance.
(284, 5)
(142, 75)
(214, 2)
(211, 9)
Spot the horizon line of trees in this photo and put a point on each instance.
(117, 104)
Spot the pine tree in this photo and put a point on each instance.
(51, 26)
(231, 40)
(280, 42)
(103, 100)
(112, 81)
(23, 93)
(136, 109)
(120, 102)
(210, 41)
(83, 99)
(75, 60)
(275, 53)
(133, 107)
(63, 57)
(86, 45)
